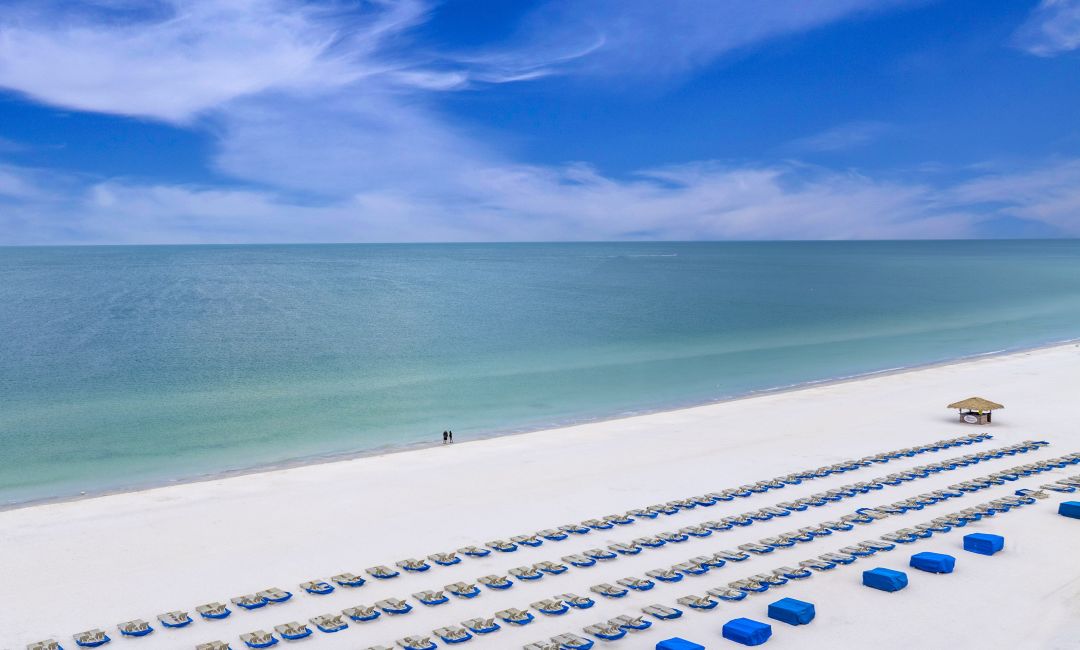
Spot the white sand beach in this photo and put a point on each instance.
(92, 563)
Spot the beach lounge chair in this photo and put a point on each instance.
(394, 606)
(543, 645)
(750, 585)
(91, 638)
(772, 579)
(877, 545)
(348, 580)
(444, 559)
(858, 551)
(258, 639)
(727, 593)
(793, 506)
(552, 534)
(495, 582)
(631, 623)
(662, 612)
(902, 538)
(577, 602)
(800, 537)
(431, 598)
(382, 572)
(213, 645)
(605, 631)
(838, 558)
(552, 568)
(792, 573)
(137, 627)
(664, 509)
(758, 515)
(639, 513)
(515, 616)
(738, 520)
(715, 525)
(650, 542)
(213, 610)
(599, 554)
(1059, 487)
(463, 589)
(691, 568)
(274, 595)
(362, 613)
(417, 643)
(838, 525)
(250, 601)
(502, 546)
(759, 549)
(780, 541)
(697, 602)
(665, 575)
(619, 520)
(576, 529)
(624, 549)
(527, 540)
(695, 531)
(293, 631)
(579, 561)
(708, 561)
(608, 590)
(551, 607)
(637, 584)
(733, 556)
(453, 634)
(598, 524)
(174, 619)
(673, 537)
(572, 642)
(526, 573)
(317, 587)
(414, 565)
(481, 625)
(474, 551)
(329, 623)
(818, 564)
(47, 644)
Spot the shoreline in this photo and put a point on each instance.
(403, 448)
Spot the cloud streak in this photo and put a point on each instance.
(1052, 29)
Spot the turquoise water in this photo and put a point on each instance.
(122, 366)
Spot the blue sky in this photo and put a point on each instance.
(183, 121)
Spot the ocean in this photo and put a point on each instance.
(132, 366)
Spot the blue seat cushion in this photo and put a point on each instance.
(676, 643)
(747, 631)
(791, 611)
(1070, 509)
(983, 543)
(933, 562)
(884, 579)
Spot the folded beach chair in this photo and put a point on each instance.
(818, 564)
(732, 556)
(463, 589)
(250, 601)
(665, 575)
(474, 551)
(579, 561)
(759, 549)
(858, 551)
(431, 598)
(792, 573)
(213, 610)
(794, 506)
(444, 559)
(780, 541)
(137, 627)
(552, 568)
(630, 623)
(672, 537)
(527, 540)
(495, 582)
(650, 542)
(608, 590)
(838, 525)
(662, 612)
(877, 545)
(749, 585)
(515, 616)
(738, 520)
(1063, 488)
(551, 607)
(704, 500)
(47, 644)
(664, 509)
(213, 645)
(772, 579)
(526, 573)
(599, 554)
(759, 515)
(625, 549)
(362, 613)
(619, 520)
(576, 529)
(606, 631)
(552, 534)
(697, 602)
(481, 625)
(727, 593)
(691, 568)
(258, 639)
(577, 602)
(348, 580)
(715, 525)
(453, 634)
(174, 619)
(572, 642)
(637, 584)
(382, 572)
(317, 587)
(394, 606)
(329, 623)
(91, 638)
(902, 538)
(598, 524)
(413, 564)
(712, 561)
(639, 513)
(502, 546)
(695, 531)
(417, 643)
(293, 631)
(838, 558)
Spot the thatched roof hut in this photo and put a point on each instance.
(975, 410)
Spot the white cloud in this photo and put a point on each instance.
(841, 138)
(1053, 28)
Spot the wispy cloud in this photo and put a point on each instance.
(841, 138)
(1053, 28)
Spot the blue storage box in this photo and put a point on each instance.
(884, 579)
(747, 631)
(933, 562)
(1070, 509)
(983, 543)
(792, 612)
(679, 644)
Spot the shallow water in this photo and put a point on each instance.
(127, 365)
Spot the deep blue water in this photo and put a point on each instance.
(121, 366)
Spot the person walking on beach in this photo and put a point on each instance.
(445, 435)
(451, 436)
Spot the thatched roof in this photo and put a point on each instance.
(975, 404)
